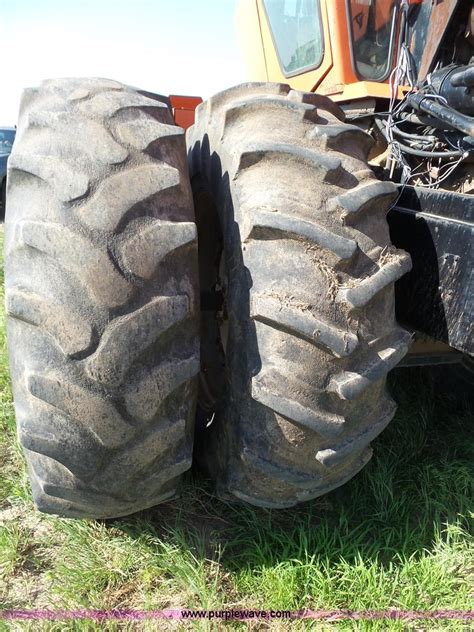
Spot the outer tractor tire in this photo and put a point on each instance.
(101, 282)
(308, 331)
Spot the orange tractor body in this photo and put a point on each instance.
(345, 49)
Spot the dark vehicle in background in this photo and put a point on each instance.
(7, 136)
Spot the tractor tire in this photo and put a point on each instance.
(101, 292)
(306, 269)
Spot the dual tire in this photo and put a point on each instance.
(296, 330)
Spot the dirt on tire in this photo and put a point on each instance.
(101, 291)
(295, 384)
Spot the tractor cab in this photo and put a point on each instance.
(349, 49)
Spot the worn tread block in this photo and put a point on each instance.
(99, 415)
(324, 423)
(280, 225)
(123, 190)
(145, 394)
(144, 249)
(361, 294)
(91, 265)
(72, 333)
(114, 357)
(382, 357)
(302, 323)
(336, 454)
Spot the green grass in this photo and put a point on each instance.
(396, 536)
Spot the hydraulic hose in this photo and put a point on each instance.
(418, 138)
(430, 154)
(462, 122)
(420, 152)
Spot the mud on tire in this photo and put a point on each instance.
(101, 284)
(307, 326)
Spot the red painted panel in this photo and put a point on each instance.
(183, 109)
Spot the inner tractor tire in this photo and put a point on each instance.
(295, 358)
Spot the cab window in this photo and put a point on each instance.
(373, 32)
(297, 33)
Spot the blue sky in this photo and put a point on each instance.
(166, 46)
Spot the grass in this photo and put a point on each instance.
(396, 536)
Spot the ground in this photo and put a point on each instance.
(396, 536)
